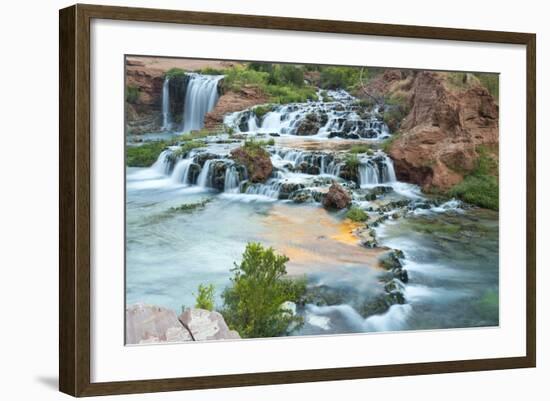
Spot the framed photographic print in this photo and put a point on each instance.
(347, 200)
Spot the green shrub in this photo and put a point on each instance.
(480, 187)
(262, 67)
(339, 77)
(262, 110)
(259, 287)
(238, 76)
(352, 162)
(356, 214)
(228, 130)
(286, 74)
(144, 155)
(211, 71)
(174, 72)
(491, 82)
(478, 190)
(132, 94)
(205, 297)
(290, 94)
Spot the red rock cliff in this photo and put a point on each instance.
(437, 142)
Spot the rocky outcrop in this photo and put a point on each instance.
(438, 139)
(143, 113)
(206, 325)
(146, 324)
(231, 101)
(151, 324)
(257, 162)
(336, 197)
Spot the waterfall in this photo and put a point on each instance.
(341, 117)
(162, 165)
(388, 172)
(270, 189)
(180, 175)
(231, 183)
(166, 105)
(368, 174)
(272, 121)
(205, 176)
(252, 124)
(376, 171)
(333, 168)
(201, 96)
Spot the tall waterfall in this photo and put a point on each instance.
(201, 96)
(166, 123)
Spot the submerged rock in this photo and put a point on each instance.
(336, 197)
(390, 260)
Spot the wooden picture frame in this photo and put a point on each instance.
(74, 199)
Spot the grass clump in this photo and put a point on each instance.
(185, 148)
(189, 207)
(205, 297)
(190, 136)
(254, 146)
(132, 94)
(144, 155)
(361, 149)
(253, 303)
(357, 214)
(480, 187)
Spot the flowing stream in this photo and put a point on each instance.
(450, 250)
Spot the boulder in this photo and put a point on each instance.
(336, 197)
(206, 325)
(257, 163)
(151, 324)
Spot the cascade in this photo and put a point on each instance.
(201, 97)
(180, 175)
